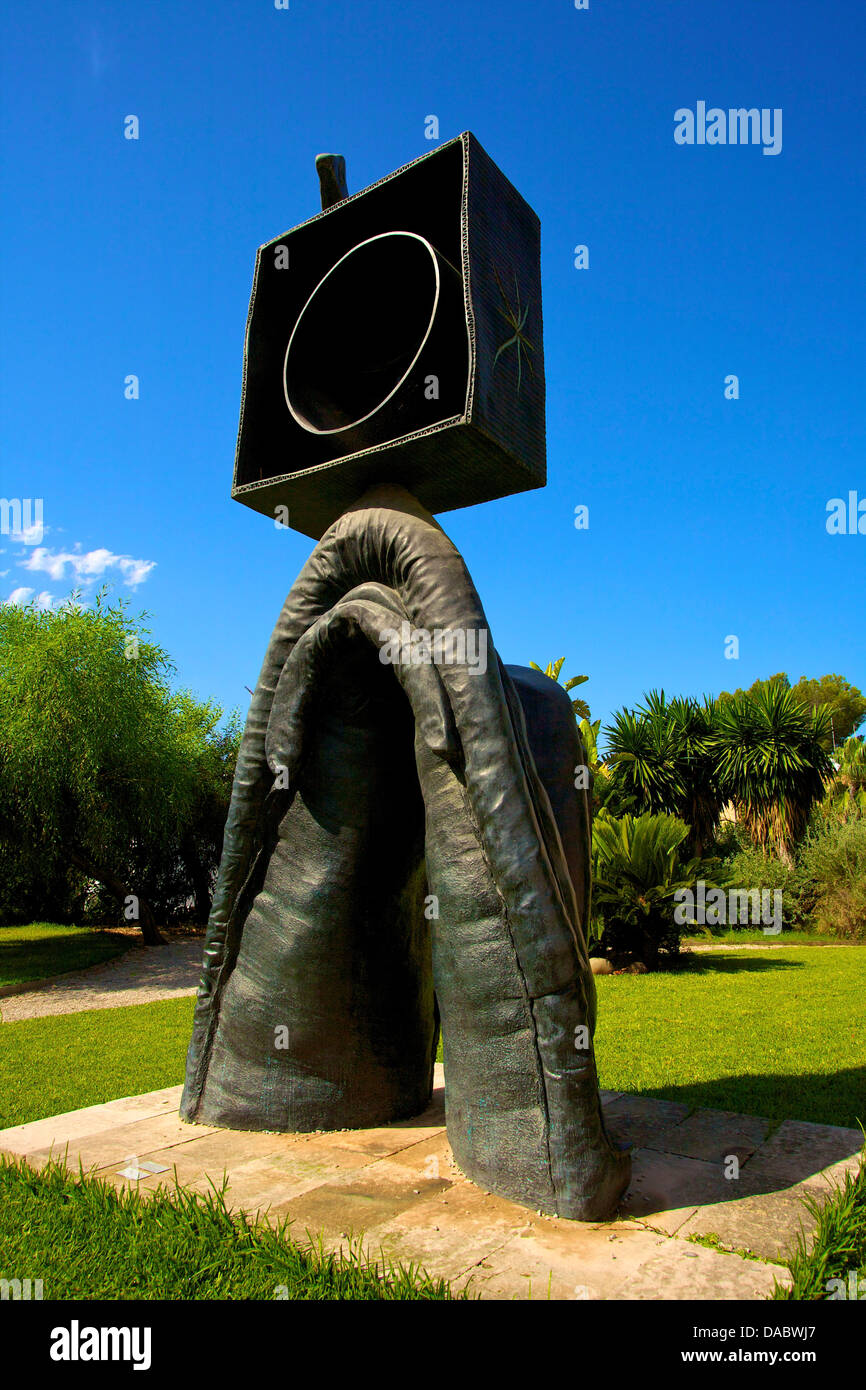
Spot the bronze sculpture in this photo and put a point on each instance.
(405, 847)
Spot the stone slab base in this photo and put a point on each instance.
(398, 1188)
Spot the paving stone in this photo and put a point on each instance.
(799, 1151)
(680, 1270)
(714, 1135)
(431, 1158)
(94, 1119)
(449, 1235)
(642, 1121)
(399, 1189)
(566, 1260)
(767, 1224)
(834, 1176)
(137, 1139)
(359, 1202)
(225, 1148)
(666, 1188)
(384, 1142)
(270, 1180)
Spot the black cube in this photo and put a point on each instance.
(397, 337)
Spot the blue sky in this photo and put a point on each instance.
(706, 515)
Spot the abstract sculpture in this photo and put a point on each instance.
(405, 846)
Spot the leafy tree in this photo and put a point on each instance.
(772, 762)
(847, 704)
(780, 678)
(639, 864)
(589, 738)
(102, 766)
(553, 668)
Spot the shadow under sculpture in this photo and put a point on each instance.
(368, 796)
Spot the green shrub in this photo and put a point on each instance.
(832, 862)
(640, 864)
(751, 868)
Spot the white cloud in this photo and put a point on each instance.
(88, 566)
(24, 595)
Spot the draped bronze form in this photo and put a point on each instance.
(405, 849)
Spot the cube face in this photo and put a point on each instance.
(397, 337)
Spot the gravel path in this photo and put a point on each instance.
(146, 973)
(141, 975)
(768, 946)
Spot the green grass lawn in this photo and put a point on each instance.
(64, 1062)
(88, 1240)
(49, 948)
(777, 1033)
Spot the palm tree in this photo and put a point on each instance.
(700, 803)
(847, 781)
(661, 755)
(589, 739)
(640, 751)
(771, 761)
(552, 669)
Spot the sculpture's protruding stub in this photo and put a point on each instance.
(331, 169)
(396, 337)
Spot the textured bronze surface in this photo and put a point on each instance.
(465, 422)
(365, 793)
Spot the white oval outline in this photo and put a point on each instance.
(311, 429)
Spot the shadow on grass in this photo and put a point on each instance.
(827, 1098)
(25, 960)
(727, 965)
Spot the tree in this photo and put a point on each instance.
(661, 757)
(212, 756)
(102, 766)
(772, 762)
(780, 678)
(847, 785)
(553, 668)
(638, 865)
(847, 704)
